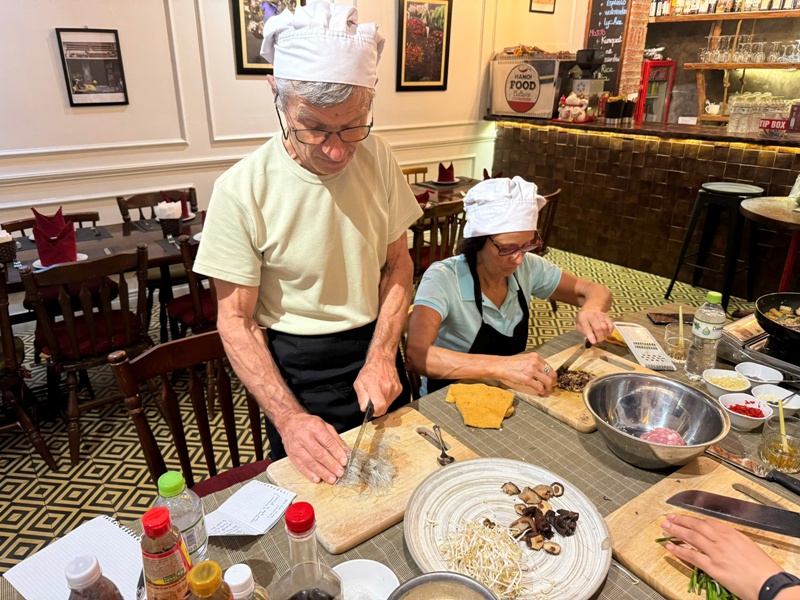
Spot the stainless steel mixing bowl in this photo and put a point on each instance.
(627, 405)
(442, 585)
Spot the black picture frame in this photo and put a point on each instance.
(423, 44)
(93, 71)
(248, 21)
(547, 7)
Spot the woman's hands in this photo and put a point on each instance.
(596, 325)
(526, 372)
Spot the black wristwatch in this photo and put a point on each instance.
(777, 583)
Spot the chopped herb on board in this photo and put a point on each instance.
(700, 581)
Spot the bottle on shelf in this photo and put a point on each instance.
(165, 559)
(307, 578)
(86, 581)
(205, 582)
(240, 579)
(706, 333)
(186, 511)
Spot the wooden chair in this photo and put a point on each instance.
(196, 310)
(12, 385)
(546, 218)
(415, 174)
(159, 278)
(445, 222)
(83, 338)
(160, 362)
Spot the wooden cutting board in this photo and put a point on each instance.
(347, 516)
(636, 525)
(568, 407)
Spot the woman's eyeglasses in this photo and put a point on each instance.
(535, 244)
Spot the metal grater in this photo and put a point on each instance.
(644, 346)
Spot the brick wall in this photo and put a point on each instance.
(633, 53)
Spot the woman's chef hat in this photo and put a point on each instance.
(323, 42)
(502, 205)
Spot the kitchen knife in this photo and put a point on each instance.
(790, 483)
(755, 495)
(367, 416)
(616, 363)
(766, 518)
(565, 366)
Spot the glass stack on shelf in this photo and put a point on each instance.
(759, 114)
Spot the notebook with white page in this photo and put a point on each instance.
(41, 576)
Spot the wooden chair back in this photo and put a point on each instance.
(202, 321)
(415, 174)
(546, 218)
(150, 200)
(100, 339)
(80, 218)
(158, 363)
(10, 366)
(445, 222)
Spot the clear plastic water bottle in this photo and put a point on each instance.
(186, 512)
(240, 579)
(706, 333)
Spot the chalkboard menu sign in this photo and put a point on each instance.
(606, 32)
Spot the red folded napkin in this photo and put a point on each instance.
(182, 200)
(55, 239)
(495, 176)
(446, 174)
(422, 198)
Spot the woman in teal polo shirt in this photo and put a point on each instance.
(470, 317)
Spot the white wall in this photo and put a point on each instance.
(190, 116)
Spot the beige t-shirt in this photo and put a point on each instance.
(314, 245)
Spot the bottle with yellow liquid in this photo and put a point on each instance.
(205, 582)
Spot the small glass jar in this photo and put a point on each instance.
(781, 452)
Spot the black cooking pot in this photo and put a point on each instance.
(770, 301)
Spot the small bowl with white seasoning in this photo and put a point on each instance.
(364, 579)
(724, 381)
(772, 394)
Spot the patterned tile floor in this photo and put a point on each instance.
(37, 505)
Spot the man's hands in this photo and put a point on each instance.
(377, 381)
(314, 447)
(596, 325)
(727, 555)
(527, 372)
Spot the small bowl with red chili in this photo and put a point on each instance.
(745, 411)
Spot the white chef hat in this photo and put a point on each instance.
(323, 42)
(502, 205)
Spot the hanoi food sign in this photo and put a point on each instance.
(522, 88)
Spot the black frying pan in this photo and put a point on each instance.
(770, 301)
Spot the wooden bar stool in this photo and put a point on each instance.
(716, 198)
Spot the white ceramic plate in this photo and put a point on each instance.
(37, 264)
(361, 574)
(196, 237)
(471, 490)
(437, 182)
(189, 218)
(32, 237)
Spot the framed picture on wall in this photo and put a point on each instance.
(423, 44)
(543, 6)
(249, 17)
(92, 63)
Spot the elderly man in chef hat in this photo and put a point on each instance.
(307, 237)
(471, 311)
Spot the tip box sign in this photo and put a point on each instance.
(522, 88)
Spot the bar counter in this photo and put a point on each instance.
(627, 192)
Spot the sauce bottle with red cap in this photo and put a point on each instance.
(307, 578)
(166, 561)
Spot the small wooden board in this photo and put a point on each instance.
(636, 525)
(568, 407)
(347, 516)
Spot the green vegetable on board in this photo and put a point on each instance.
(700, 580)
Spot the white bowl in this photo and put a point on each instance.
(758, 374)
(362, 574)
(741, 422)
(718, 391)
(788, 409)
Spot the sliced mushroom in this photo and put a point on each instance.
(558, 489)
(528, 511)
(489, 523)
(535, 542)
(544, 506)
(521, 508)
(529, 496)
(544, 491)
(510, 489)
(521, 525)
(552, 548)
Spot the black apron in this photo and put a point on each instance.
(320, 371)
(489, 340)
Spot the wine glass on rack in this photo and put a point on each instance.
(759, 55)
(705, 55)
(774, 55)
(725, 44)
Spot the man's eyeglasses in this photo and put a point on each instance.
(315, 137)
(535, 244)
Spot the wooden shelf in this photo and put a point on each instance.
(726, 66)
(731, 16)
(714, 118)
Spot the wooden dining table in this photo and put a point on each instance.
(530, 435)
(781, 213)
(441, 194)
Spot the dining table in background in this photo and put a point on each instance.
(441, 194)
(781, 213)
(529, 435)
